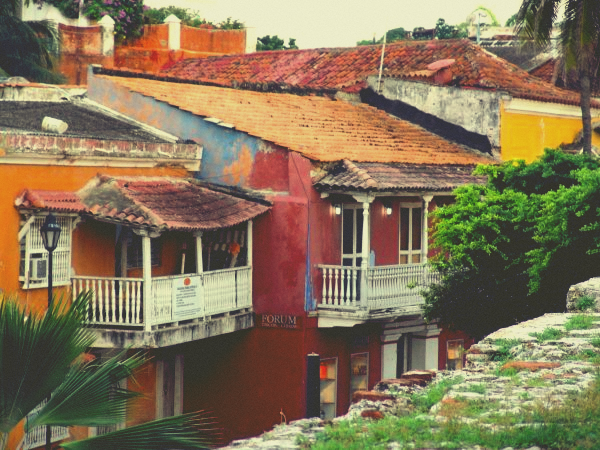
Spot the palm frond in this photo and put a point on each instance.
(26, 48)
(36, 352)
(187, 431)
(535, 20)
(89, 396)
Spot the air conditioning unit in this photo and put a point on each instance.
(38, 267)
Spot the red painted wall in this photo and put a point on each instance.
(448, 335)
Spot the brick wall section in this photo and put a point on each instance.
(80, 47)
(13, 143)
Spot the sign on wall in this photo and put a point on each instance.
(279, 321)
(186, 298)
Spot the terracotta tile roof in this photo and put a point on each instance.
(57, 201)
(391, 177)
(347, 69)
(162, 203)
(544, 71)
(318, 127)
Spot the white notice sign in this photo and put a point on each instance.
(186, 298)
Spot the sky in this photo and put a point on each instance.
(338, 23)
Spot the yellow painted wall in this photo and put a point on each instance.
(525, 136)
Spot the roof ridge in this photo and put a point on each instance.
(361, 173)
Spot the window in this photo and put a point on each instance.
(352, 232)
(454, 354)
(410, 234)
(359, 372)
(33, 269)
(328, 376)
(135, 257)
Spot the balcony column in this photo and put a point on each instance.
(424, 228)
(147, 274)
(199, 264)
(366, 250)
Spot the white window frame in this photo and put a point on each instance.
(356, 208)
(410, 252)
(30, 237)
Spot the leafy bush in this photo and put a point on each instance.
(510, 249)
(188, 17)
(127, 14)
(503, 348)
(69, 8)
(585, 303)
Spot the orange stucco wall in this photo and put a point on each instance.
(82, 46)
(525, 136)
(93, 254)
(15, 179)
(214, 41)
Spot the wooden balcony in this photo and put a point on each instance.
(383, 293)
(216, 302)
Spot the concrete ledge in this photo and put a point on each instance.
(164, 337)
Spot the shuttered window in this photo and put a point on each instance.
(33, 271)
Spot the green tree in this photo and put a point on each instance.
(512, 20)
(41, 355)
(579, 38)
(266, 43)
(493, 20)
(393, 35)
(26, 47)
(445, 31)
(510, 249)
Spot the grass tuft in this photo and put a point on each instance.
(579, 322)
(548, 334)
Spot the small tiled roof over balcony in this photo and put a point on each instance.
(346, 69)
(320, 128)
(161, 203)
(394, 177)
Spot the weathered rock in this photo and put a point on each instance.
(373, 396)
(589, 288)
(424, 375)
(532, 366)
(372, 414)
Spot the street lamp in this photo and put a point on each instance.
(50, 231)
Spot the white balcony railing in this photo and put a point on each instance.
(386, 286)
(115, 301)
(119, 301)
(36, 437)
